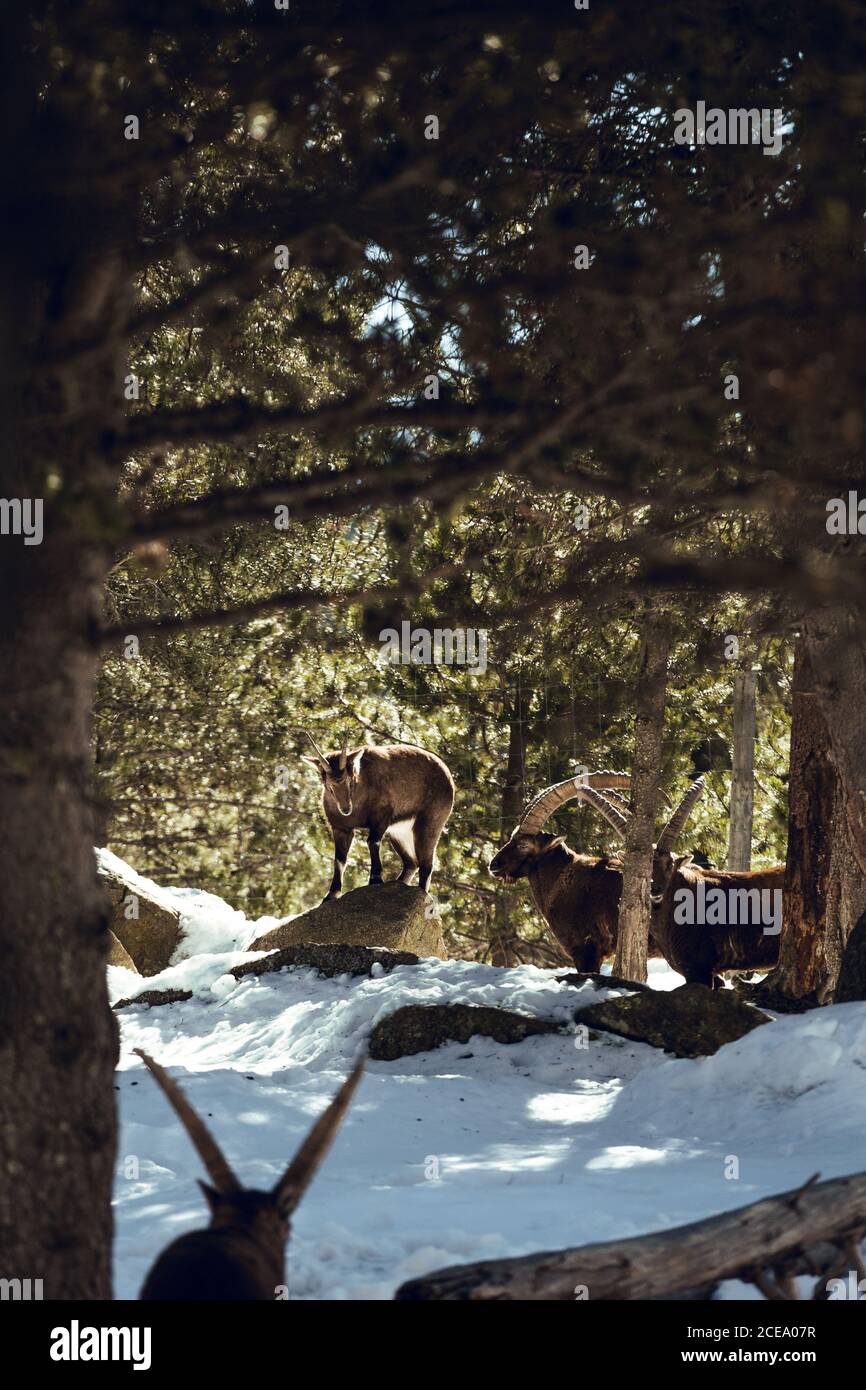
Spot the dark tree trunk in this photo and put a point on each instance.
(57, 1033)
(514, 791)
(824, 888)
(513, 796)
(635, 905)
(59, 285)
(743, 779)
(838, 656)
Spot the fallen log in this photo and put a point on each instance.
(815, 1230)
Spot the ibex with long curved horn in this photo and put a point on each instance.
(578, 895)
(241, 1255)
(705, 921)
(397, 793)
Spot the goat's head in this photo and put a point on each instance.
(666, 867)
(529, 842)
(514, 859)
(264, 1215)
(339, 773)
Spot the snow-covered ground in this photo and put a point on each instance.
(472, 1150)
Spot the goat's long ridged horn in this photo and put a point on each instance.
(299, 1174)
(543, 806)
(612, 814)
(319, 754)
(209, 1151)
(618, 802)
(616, 798)
(674, 827)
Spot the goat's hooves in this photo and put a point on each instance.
(375, 882)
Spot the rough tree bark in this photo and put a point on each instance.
(825, 891)
(815, 1230)
(513, 795)
(635, 905)
(837, 650)
(58, 1039)
(743, 779)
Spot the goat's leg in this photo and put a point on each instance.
(342, 844)
(427, 830)
(404, 850)
(588, 958)
(700, 975)
(377, 835)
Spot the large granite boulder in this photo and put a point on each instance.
(147, 928)
(394, 915)
(422, 1027)
(692, 1021)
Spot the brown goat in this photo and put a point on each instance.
(683, 894)
(577, 894)
(241, 1254)
(397, 793)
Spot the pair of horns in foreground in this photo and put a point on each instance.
(289, 1189)
(601, 790)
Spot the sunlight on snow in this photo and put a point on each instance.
(631, 1156)
(568, 1107)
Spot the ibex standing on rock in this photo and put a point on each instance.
(398, 793)
(241, 1255)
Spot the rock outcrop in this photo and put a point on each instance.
(146, 927)
(691, 1021)
(393, 915)
(154, 997)
(422, 1027)
(328, 960)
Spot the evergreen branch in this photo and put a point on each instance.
(239, 418)
(310, 600)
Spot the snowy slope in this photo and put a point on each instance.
(468, 1151)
